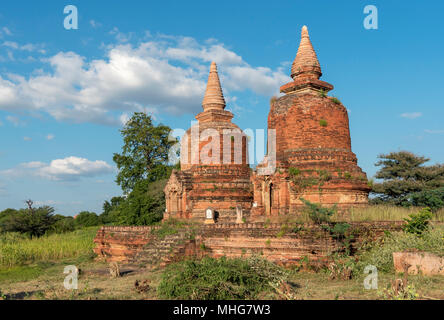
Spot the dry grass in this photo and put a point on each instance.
(386, 213)
(371, 213)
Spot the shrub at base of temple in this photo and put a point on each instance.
(225, 279)
(380, 254)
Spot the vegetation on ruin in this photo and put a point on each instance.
(303, 179)
(322, 93)
(174, 226)
(335, 100)
(323, 123)
(380, 253)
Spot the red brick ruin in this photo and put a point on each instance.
(313, 158)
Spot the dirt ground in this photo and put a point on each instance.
(46, 281)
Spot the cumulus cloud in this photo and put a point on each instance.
(50, 137)
(67, 169)
(27, 138)
(162, 75)
(412, 115)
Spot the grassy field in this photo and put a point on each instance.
(387, 213)
(365, 214)
(33, 268)
(18, 250)
(97, 284)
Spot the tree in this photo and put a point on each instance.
(34, 222)
(144, 153)
(404, 174)
(434, 199)
(5, 217)
(109, 207)
(86, 219)
(143, 206)
(63, 224)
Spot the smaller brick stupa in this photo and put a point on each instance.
(314, 159)
(214, 170)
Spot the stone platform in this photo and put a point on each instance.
(285, 244)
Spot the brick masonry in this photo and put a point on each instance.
(312, 138)
(127, 244)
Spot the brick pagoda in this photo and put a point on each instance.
(314, 159)
(214, 170)
(313, 156)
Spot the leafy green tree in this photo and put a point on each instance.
(62, 224)
(86, 219)
(404, 174)
(5, 217)
(434, 199)
(109, 207)
(143, 206)
(145, 152)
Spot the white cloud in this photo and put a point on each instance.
(27, 138)
(5, 32)
(164, 75)
(412, 115)
(50, 137)
(26, 47)
(70, 168)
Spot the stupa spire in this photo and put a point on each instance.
(306, 64)
(214, 98)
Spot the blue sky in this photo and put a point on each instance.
(64, 94)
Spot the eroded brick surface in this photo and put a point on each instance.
(276, 242)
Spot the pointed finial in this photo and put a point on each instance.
(214, 98)
(306, 63)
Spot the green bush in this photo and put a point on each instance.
(418, 223)
(143, 206)
(381, 253)
(87, 219)
(63, 224)
(434, 199)
(317, 213)
(34, 222)
(219, 279)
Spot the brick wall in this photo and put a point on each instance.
(236, 240)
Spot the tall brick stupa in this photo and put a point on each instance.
(215, 173)
(314, 159)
